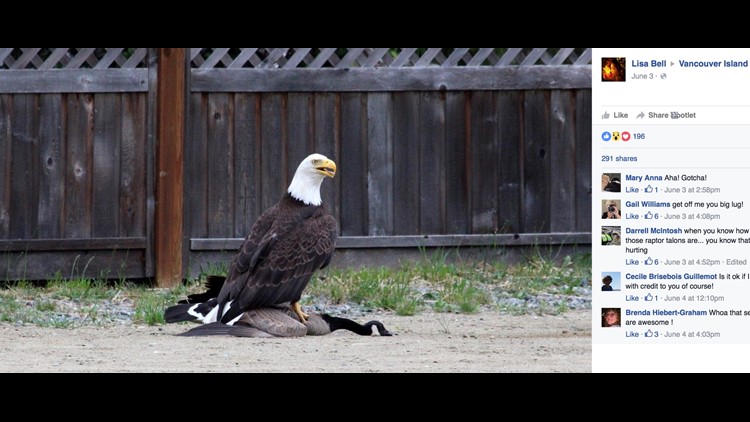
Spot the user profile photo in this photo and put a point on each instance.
(611, 281)
(611, 209)
(613, 69)
(611, 317)
(611, 182)
(610, 235)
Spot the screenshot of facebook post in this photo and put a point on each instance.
(671, 210)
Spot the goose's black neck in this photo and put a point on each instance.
(336, 323)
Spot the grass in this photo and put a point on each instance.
(539, 285)
(71, 303)
(434, 283)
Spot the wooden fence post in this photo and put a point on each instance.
(170, 133)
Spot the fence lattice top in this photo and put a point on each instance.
(72, 58)
(289, 58)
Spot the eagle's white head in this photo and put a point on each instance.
(306, 182)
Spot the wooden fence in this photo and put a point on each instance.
(435, 147)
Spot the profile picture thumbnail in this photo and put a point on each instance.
(613, 69)
(611, 281)
(611, 317)
(610, 235)
(610, 182)
(611, 209)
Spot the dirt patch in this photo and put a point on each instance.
(428, 342)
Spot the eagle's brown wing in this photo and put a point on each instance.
(276, 261)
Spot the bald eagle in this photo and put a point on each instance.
(287, 244)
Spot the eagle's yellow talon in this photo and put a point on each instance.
(298, 310)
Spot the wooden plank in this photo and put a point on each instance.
(196, 167)
(406, 165)
(106, 166)
(352, 175)
(357, 242)
(24, 189)
(509, 176)
(522, 239)
(247, 162)
(458, 164)
(297, 133)
(388, 79)
(148, 129)
(537, 176)
(562, 161)
(484, 162)
(273, 168)
(6, 131)
(51, 175)
(112, 264)
(57, 244)
(73, 80)
(380, 164)
(134, 192)
(170, 129)
(326, 143)
(220, 165)
(583, 147)
(78, 165)
(300, 131)
(432, 163)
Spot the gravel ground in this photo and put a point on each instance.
(488, 341)
(428, 342)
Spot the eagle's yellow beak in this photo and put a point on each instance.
(327, 167)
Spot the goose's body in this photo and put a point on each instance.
(273, 321)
